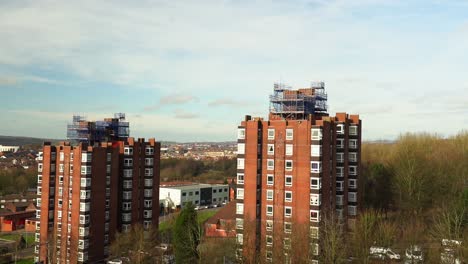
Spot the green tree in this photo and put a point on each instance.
(137, 245)
(187, 234)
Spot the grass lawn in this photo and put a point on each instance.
(202, 216)
(14, 237)
(25, 261)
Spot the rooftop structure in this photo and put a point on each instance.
(298, 104)
(84, 131)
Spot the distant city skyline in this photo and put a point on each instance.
(191, 70)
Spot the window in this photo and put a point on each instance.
(352, 183)
(148, 203)
(269, 240)
(85, 170)
(287, 211)
(127, 195)
(315, 249)
(352, 156)
(288, 196)
(60, 202)
(214, 191)
(353, 130)
(269, 255)
(271, 133)
(60, 191)
(352, 197)
(270, 164)
(340, 143)
(287, 244)
(339, 213)
(148, 182)
(128, 162)
(85, 182)
(352, 170)
(314, 232)
(315, 150)
(39, 190)
(148, 172)
(289, 149)
(127, 184)
(315, 166)
(340, 129)
(288, 165)
(287, 228)
(84, 207)
(149, 151)
(269, 210)
(353, 143)
(340, 186)
(61, 167)
(86, 157)
(269, 225)
(147, 213)
(271, 149)
(240, 193)
(269, 195)
(270, 179)
(84, 219)
(315, 199)
(128, 151)
(148, 193)
(84, 231)
(241, 133)
(240, 148)
(340, 157)
(240, 178)
(109, 157)
(129, 173)
(240, 164)
(85, 194)
(339, 200)
(289, 133)
(239, 208)
(240, 239)
(239, 223)
(288, 180)
(39, 167)
(315, 183)
(60, 179)
(148, 161)
(108, 168)
(339, 172)
(316, 133)
(352, 210)
(314, 216)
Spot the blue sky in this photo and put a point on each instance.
(191, 70)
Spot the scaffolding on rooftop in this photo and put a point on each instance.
(82, 130)
(298, 104)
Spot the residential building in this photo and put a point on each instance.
(295, 169)
(109, 129)
(198, 194)
(89, 192)
(9, 148)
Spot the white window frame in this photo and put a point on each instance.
(318, 132)
(239, 223)
(339, 172)
(128, 162)
(128, 151)
(315, 219)
(339, 186)
(286, 199)
(269, 195)
(240, 148)
(315, 150)
(353, 143)
(286, 182)
(340, 142)
(318, 186)
(240, 178)
(339, 199)
(353, 130)
(315, 199)
(240, 193)
(272, 182)
(269, 206)
(353, 170)
(241, 133)
(289, 134)
(340, 129)
(316, 170)
(270, 164)
(286, 163)
(269, 225)
(289, 150)
(314, 232)
(352, 197)
(269, 240)
(271, 133)
(270, 149)
(240, 163)
(352, 183)
(352, 156)
(240, 239)
(340, 157)
(286, 214)
(239, 208)
(289, 229)
(352, 210)
(128, 173)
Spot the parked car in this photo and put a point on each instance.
(383, 253)
(414, 254)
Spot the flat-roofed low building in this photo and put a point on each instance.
(198, 194)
